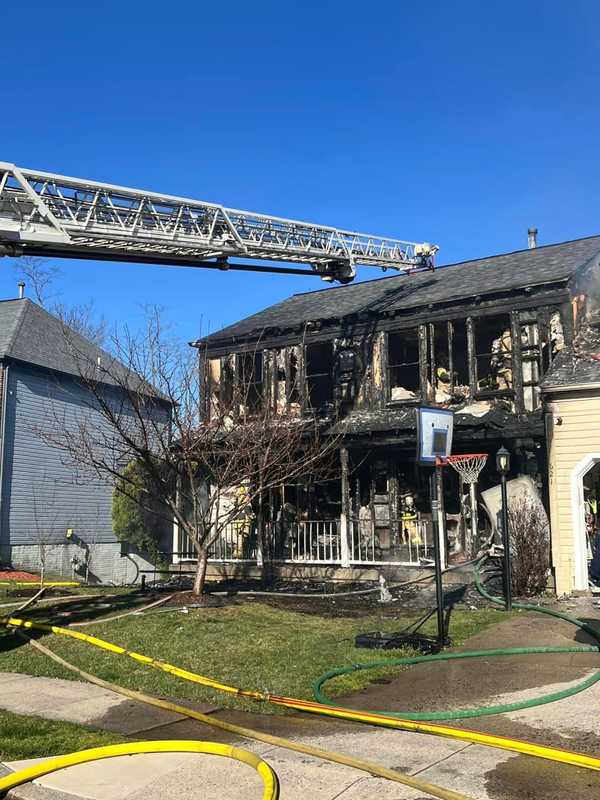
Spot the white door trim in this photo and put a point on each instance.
(578, 519)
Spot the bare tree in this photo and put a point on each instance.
(204, 473)
(46, 515)
(41, 276)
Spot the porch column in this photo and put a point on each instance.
(345, 510)
(394, 503)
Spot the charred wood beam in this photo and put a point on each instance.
(471, 356)
(517, 363)
(393, 498)
(451, 353)
(543, 323)
(566, 316)
(423, 365)
(384, 393)
(432, 369)
(301, 375)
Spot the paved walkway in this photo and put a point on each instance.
(479, 772)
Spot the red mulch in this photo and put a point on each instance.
(15, 575)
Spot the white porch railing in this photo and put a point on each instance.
(407, 542)
(236, 542)
(318, 542)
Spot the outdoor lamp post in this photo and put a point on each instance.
(503, 467)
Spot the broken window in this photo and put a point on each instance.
(557, 335)
(319, 373)
(439, 361)
(493, 353)
(279, 365)
(531, 356)
(227, 382)
(287, 390)
(250, 380)
(459, 356)
(404, 379)
(293, 388)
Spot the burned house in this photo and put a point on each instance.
(476, 337)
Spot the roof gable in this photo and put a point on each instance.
(30, 334)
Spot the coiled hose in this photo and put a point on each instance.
(269, 778)
(382, 719)
(508, 651)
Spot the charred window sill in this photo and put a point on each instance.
(501, 394)
(410, 402)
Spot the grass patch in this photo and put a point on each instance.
(252, 645)
(34, 737)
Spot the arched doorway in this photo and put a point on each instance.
(585, 508)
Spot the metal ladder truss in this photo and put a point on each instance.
(51, 215)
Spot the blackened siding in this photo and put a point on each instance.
(42, 493)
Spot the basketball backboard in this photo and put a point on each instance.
(434, 434)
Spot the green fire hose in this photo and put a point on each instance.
(466, 713)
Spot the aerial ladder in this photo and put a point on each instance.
(48, 215)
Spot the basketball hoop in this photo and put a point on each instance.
(468, 466)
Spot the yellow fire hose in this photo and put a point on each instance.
(474, 737)
(248, 733)
(31, 584)
(269, 778)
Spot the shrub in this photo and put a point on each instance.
(529, 545)
(136, 518)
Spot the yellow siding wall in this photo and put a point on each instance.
(576, 437)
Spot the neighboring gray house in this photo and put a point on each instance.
(49, 509)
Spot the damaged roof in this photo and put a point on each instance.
(520, 269)
(577, 365)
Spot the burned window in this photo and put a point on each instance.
(448, 360)
(280, 377)
(531, 360)
(287, 391)
(403, 365)
(319, 373)
(250, 380)
(439, 361)
(459, 352)
(493, 353)
(293, 389)
(557, 334)
(227, 383)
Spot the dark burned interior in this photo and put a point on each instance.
(476, 338)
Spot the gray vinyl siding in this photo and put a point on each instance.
(42, 493)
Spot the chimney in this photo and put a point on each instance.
(21, 285)
(532, 238)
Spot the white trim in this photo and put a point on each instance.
(175, 557)
(573, 387)
(578, 518)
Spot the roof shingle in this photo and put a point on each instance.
(522, 268)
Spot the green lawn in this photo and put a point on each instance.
(252, 645)
(33, 737)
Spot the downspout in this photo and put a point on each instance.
(2, 440)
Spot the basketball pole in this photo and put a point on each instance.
(436, 494)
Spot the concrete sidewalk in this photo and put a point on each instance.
(480, 772)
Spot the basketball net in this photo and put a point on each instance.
(468, 466)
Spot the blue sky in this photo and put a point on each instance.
(459, 123)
